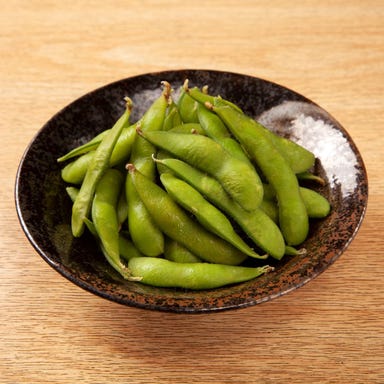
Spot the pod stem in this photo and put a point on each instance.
(130, 167)
(268, 268)
(128, 103)
(209, 105)
(167, 89)
(186, 85)
(156, 160)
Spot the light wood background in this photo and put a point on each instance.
(329, 331)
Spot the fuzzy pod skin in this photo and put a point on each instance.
(207, 214)
(259, 227)
(145, 234)
(293, 217)
(98, 165)
(298, 157)
(85, 148)
(216, 130)
(187, 107)
(74, 172)
(174, 251)
(168, 274)
(104, 212)
(176, 223)
(238, 178)
(316, 204)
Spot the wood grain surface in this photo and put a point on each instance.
(330, 330)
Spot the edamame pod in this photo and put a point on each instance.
(177, 225)
(74, 172)
(216, 130)
(256, 224)
(238, 178)
(293, 217)
(174, 251)
(100, 162)
(145, 234)
(173, 118)
(188, 128)
(298, 157)
(187, 108)
(206, 213)
(317, 206)
(104, 215)
(202, 96)
(127, 248)
(72, 192)
(164, 273)
(89, 146)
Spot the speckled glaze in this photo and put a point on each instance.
(44, 208)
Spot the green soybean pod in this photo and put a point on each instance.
(145, 234)
(89, 146)
(74, 172)
(237, 177)
(206, 213)
(196, 276)
(122, 208)
(127, 248)
(188, 128)
(187, 108)
(72, 193)
(202, 96)
(271, 209)
(104, 215)
(179, 226)
(100, 162)
(256, 224)
(317, 205)
(293, 217)
(216, 130)
(174, 251)
(172, 118)
(298, 157)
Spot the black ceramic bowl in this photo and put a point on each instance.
(44, 208)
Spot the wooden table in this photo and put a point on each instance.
(330, 330)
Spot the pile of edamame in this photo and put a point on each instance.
(187, 194)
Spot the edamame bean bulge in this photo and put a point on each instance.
(75, 171)
(256, 224)
(216, 130)
(298, 157)
(293, 217)
(100, 162)
(104, 215)
(174, 251)
(187, 108)
(145, 234)
(164, 273)
(179, 226)
(203, 96)
(317, 206)
(207, 214)
(80, 150)
(238, 178)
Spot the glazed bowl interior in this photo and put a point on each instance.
(44, 208)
